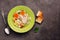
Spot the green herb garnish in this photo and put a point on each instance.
(36, 29)
(18, 12)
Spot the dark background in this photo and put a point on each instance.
(48, 30)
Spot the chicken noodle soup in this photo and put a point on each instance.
(21, 18)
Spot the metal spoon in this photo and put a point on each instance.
(6, 30)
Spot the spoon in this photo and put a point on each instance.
(6, 30)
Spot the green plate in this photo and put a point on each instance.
(27, 27)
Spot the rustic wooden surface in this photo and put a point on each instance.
(48, 30)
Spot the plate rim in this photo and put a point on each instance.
(24, 31)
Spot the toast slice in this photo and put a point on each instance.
(39, 18)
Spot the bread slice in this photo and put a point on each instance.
(39, 18)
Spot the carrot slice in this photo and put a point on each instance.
(22, 12)
(15, 15)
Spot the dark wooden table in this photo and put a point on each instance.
(48, 30)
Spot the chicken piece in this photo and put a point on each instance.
(24, 18)
(21, 25)
(39, 18)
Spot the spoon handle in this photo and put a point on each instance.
(3, 16)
